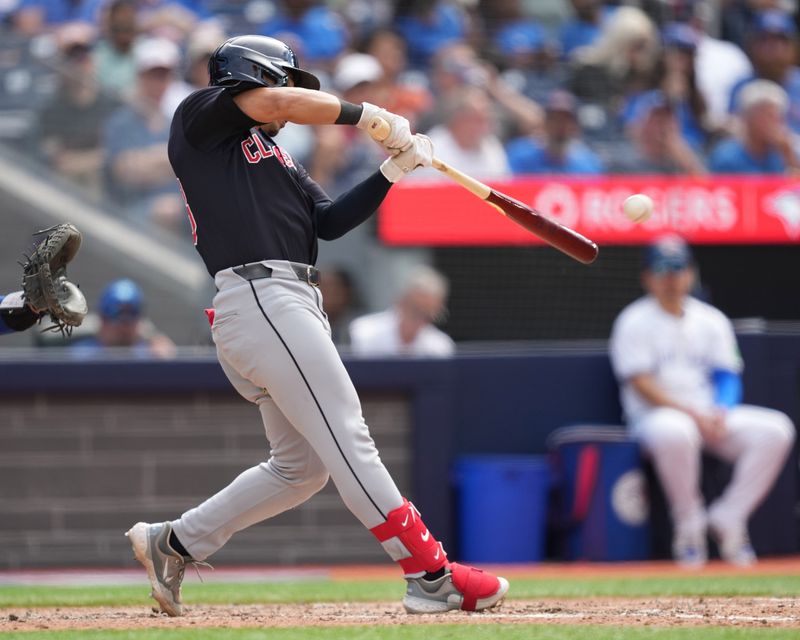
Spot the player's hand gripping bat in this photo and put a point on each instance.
(557, 235)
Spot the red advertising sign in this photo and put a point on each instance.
(717, 210)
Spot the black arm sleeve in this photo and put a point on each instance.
(350, 209)
(19, 319)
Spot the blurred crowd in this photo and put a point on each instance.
(503, 87)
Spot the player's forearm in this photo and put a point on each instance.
(647, 387)
(15, 315)
(301, 106)
(352, 208)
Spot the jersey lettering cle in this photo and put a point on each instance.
(269, 214)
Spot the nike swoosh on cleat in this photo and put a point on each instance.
(425, 535)
(436, 555)
(405, 521)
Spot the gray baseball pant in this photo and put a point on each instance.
(273, 342)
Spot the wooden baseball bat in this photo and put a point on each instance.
(557, 235)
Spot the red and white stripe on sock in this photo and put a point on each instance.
(418, 552)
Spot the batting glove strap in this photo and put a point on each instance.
(473, 584)
(419, 154)
(399, 137)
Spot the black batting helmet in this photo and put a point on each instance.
(257, 60)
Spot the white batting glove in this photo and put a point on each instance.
(399, 137)
(419, 154)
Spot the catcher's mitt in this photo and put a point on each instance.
(44, 282)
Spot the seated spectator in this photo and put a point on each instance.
(771, 46)
(35, 16)
(429, 25)
(201, 44)
(407, 329)
(315, 32)
(124, 326)
(561, 150)
(467, 138)
(530, 61)
(339, 300)
(174, 20)
(620, 63)
(658, 146)
(70, 124)
(718, 65)
(364, 17)
(583, 29)
(458, 66)
(396, 91)
(676, 74)
(679, 369)
(511, 29)
(764, 144)
(113, 55)
(136, 135)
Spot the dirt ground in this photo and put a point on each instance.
(684, 612)
(649, 611)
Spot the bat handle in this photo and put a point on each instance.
(379, 129)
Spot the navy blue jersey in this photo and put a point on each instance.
(246, 198)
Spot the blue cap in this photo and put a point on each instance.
(668, 253)
(520, 37)
(680, 36)
(642, 105)
(122, 299)
(775, 22)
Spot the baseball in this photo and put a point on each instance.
(638, 207)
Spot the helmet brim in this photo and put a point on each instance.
(303, 79)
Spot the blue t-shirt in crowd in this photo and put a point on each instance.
(320, 31)
(527, 156)
(791, 85)
(576, 33)
(61, 11)
(637, 105)
(426, 37)
(127, 129)
(731, 156)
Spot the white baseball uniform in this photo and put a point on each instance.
(682, 353)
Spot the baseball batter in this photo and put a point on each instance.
(678, 365)
(256, 215)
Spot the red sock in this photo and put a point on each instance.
(415, 549)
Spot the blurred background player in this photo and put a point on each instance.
(408, 328)
(679, 368)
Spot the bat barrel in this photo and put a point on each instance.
(556, 235)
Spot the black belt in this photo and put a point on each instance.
(258, 270)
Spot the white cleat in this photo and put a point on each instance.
(165, 566)
(442, 595)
